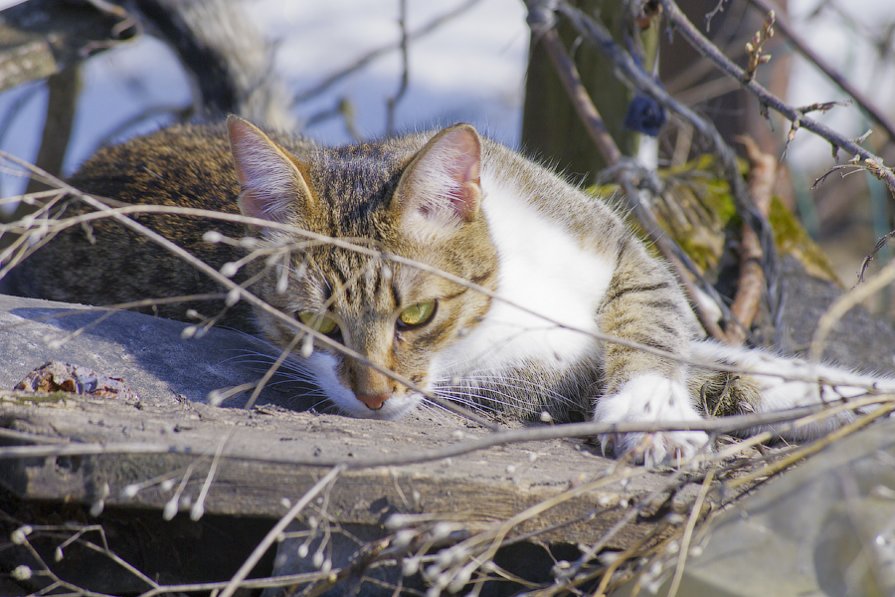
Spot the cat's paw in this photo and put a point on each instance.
(651, 398)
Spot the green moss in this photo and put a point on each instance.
(699, 213)
(791, 238)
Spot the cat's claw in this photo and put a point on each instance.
(653, 449)
(651, 398)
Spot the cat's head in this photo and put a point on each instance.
(417, 198)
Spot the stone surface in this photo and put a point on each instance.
(825, 528)
(859, 340)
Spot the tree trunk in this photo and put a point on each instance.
(550, 126)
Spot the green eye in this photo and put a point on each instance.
(417, 315)
(318, 321)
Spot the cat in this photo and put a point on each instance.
(524, 279)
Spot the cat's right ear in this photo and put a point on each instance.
(440, 189)
(274, 183)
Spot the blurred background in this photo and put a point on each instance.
(354, 69)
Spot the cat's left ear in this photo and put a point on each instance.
(440, 189)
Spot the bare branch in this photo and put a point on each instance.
(278, 528)
(392, 102)
(846, 302)
(695, 514)
(755, 47)
(719, 8)
(831, 72)
(705, 47)
(634, 74)
(620, 168)
(880, 243)
(581, 101)
(426, 29)
(750, 285)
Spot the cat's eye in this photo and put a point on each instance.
(417, 315)
(319, 322)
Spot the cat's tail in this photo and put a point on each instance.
(757, 381)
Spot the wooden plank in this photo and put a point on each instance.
(268, 460)
(121, 448)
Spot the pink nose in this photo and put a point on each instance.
(373, 401)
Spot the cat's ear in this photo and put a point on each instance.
(274, 183)
(440, 188)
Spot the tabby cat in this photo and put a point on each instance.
(461, 267)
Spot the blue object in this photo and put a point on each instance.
(645, 115)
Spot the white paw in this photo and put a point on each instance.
(651, 398)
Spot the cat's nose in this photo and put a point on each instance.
(373, 401)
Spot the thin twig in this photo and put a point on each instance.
(676, 480)
(274, 533)
(750, 284)
(155, 588)
(719, 8)
(844, 304)
(392, 102)
(198, 508)
(285, 353)
(814, 447)
(803, 48)
(484, 544)
(587, 112)
(57, 581)
(631, 71)
(426, 29)
(272, 582)
(880, 243)
(695, 515)
(767, 99)
(596, 129)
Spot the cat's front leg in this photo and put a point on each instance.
(645, 304)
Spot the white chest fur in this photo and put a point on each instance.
(548, 272)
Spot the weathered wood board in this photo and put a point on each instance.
(266, 456)
(270, 455)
